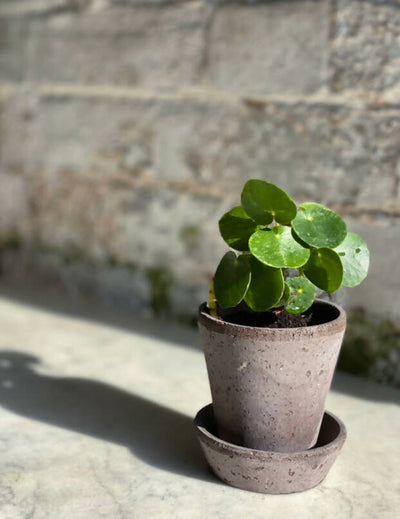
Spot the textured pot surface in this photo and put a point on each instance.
(270, 472)
(269, 385)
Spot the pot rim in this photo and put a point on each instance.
(336, 325)
(217, 443)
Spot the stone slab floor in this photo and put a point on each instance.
(96, 421)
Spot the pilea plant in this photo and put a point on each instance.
(273, 237)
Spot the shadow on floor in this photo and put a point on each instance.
(359, 387)
(58, 302)
(90, 309)
(159, 436)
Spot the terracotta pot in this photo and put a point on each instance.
(270, 472)
(269, 385)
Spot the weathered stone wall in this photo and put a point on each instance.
(128, 126)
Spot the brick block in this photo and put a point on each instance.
(365, 54)
(333, 154)
(135, 46)
(269, 48)
(13, 43)
(23, 7)
(380, 291)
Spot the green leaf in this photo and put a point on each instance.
(231, 279)
(354, 254)
(263, 201)
(318, 226)
(301, 242)
(304, 295)
(324, 269)
(285, 296)
(266, 286)
(236, 227)
(276, 247)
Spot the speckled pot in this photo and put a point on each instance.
(270, 472)
(269, 385)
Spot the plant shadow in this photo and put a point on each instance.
(157, 435)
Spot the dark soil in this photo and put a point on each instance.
(278, 318)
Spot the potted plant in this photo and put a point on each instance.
(270, 346)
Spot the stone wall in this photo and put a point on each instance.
(127, 127)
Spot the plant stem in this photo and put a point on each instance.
(212, 302)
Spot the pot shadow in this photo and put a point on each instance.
(157, 435)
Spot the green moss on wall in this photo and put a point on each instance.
(10, 243)
(371, 348)
(190, 236)
(160, 283)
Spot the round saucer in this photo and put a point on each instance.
(266, 471)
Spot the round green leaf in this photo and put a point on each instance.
(236, 227)
(266, 286)
(318, 226)
(263, 201)
(304, 295)
(276, 247)
(354, 254)
(324, 269)
(285, 296)
(231, 279)
(302, 243)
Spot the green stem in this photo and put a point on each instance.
(212, 302)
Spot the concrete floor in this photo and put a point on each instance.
(96, 415)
